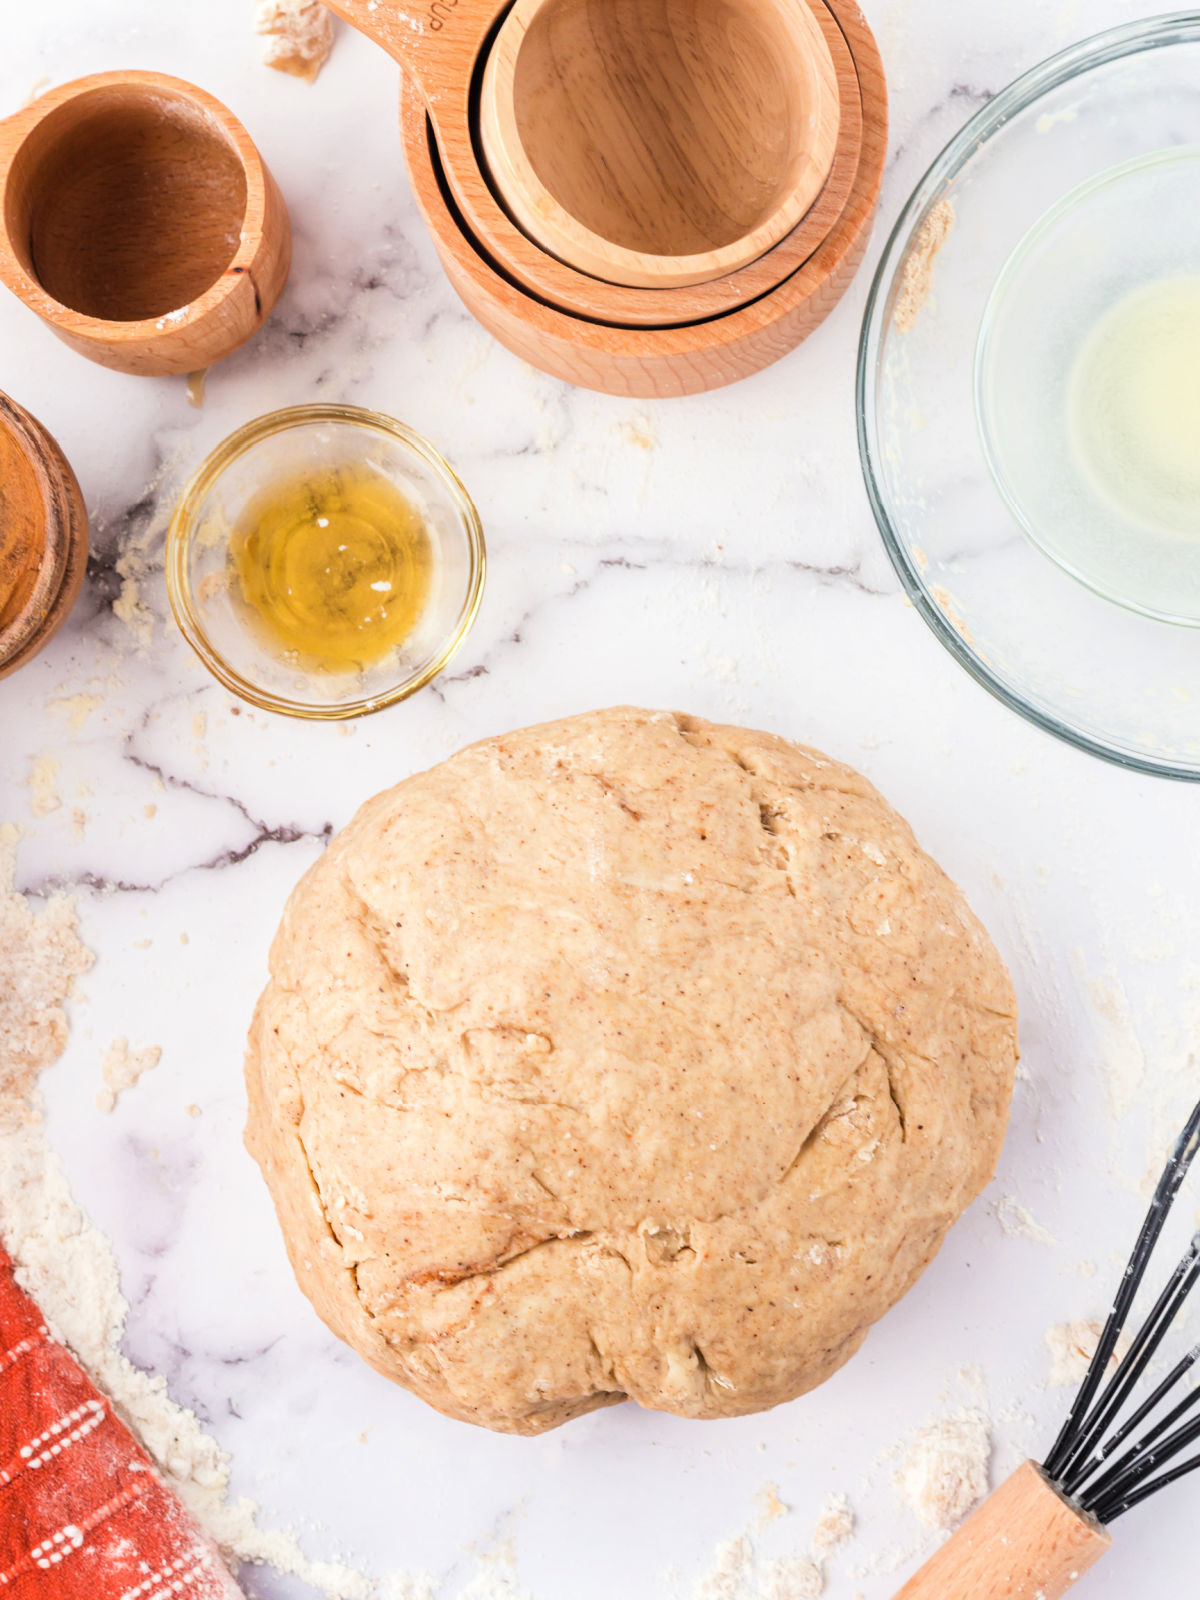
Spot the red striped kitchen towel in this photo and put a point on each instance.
(83, 1513)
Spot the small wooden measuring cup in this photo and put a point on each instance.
(461, 36)
(658, 144)
(139, 221)
(43, 536)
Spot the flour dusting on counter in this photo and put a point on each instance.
(1018, 1222)
(1072, 1346)
(835, 1524)
(68, 1266)
(945, 1471)
(738, 1574)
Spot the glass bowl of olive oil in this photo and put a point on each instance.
(325, 561)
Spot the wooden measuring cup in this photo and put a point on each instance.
(658, 144)
(43, 536)
(139, 221)
(556, 282)
(584, 296)
(659, 361)
(443, 49)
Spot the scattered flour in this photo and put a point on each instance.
(297, 36)
(738, 1574)
(121, 1068)
(68, 1265)
(402, 1587)
(43, 786)
(1121, 1058)
(129, 607)
(834, 1525)
(40, 958)
(77, 708)
(1017, 1222)
(639, 431)
(945, 1471)
(917, 279)
(1072, 1346)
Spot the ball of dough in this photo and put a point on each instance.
(625, 1056)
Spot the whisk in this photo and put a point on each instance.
(1044, 1527)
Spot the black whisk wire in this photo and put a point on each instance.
(1079, 1465)
(1080, 1450)
(1134, 1465)
(1174, 1377)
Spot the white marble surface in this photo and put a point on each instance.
(714, 554)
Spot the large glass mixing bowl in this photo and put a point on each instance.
(1116, 683)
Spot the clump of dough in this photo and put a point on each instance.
(297, 37)
(121, 1068)
(916, 280)
(626, 1056)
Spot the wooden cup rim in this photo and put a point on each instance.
(64, 554)
(14, 132)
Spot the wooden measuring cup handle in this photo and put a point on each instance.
(420, 34)
(437, 42)
(1025, 1542)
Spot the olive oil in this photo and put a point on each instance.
(335, 564)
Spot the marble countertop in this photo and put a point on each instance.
(715, 554)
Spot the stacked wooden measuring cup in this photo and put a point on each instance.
(647, 197)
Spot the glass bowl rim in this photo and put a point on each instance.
(1114, 44)
(210, 471)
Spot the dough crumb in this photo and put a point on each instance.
(1072, 1346)
(297, 37)
(1017, 1222)
(945, 1472)
(121, 1068)
(834, 1525)
(193, 1111)
(771, 1505)
(43, 786)
(917, 278)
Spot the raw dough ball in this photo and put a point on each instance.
(624, 1056)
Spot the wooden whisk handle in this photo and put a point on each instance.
(1025, 1542)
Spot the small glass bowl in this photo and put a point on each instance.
(218, 625)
